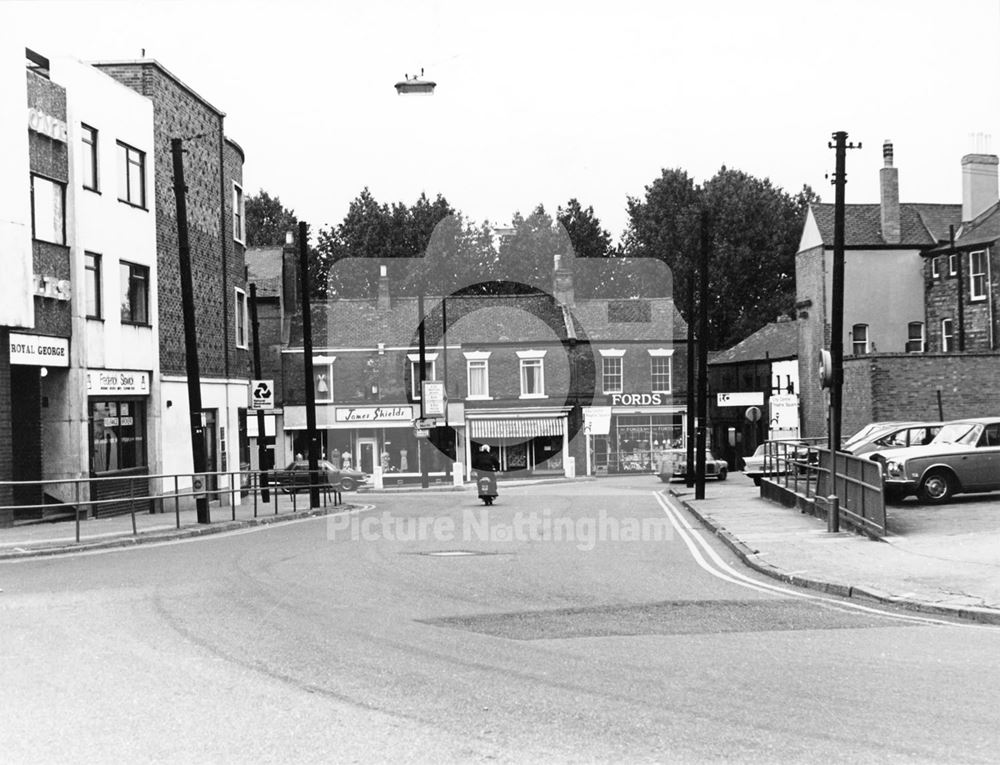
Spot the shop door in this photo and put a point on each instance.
(211, 417)
(366, 455)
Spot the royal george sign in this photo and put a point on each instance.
(374, 413)
(636, 399)
(107, 381)
(39, 350)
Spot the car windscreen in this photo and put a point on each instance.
(958, 433)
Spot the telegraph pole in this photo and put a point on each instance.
(837, 319)
(190, 337)
(422, 343)
(307, 350)
(689, 445)
(699, 489)
(262, 460)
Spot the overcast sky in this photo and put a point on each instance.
(543, 101)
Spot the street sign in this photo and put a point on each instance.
(432, 399)
(425, 423)
(422, 432)
(261, 394)
(198, 486)
(752, 398)
(753, 413)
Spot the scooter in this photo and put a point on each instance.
(486, 484)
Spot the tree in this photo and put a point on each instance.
(267, 220)
(588, 237)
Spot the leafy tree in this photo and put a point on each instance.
(267, 220)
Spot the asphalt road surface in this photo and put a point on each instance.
(570, 622)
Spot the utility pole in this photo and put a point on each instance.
(307, 350)
(262, 461)
(699, 489)
(960, 277)
(837, 320)
(421, 340)
(691, 398)
(190, 337)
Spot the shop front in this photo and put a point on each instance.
(630, 433)
(118, 414)
(526, 442)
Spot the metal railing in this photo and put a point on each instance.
(132, 494)
(803, 472)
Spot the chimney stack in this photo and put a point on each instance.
(979, 184)
(384, 303)
(562, 281)
(889, 184)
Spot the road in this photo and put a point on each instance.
(554, 627)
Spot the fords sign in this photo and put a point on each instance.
(636, 399)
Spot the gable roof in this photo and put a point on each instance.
(921, 225)
(775, 341)
(981, 231)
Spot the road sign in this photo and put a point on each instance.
(422, 432)
(426, 422)
(752, 398)
(753, 413)
(198, 486)
(433, 402)
(261, 394)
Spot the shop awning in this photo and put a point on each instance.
(527, 427)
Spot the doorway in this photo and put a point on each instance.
(366, 455)
(211, 419)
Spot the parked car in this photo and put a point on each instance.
(673, 464)
(774, 458)
(295, 477)
(963, 457)
(890, 435)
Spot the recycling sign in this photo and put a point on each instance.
(262, 394)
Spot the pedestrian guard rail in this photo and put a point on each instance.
(799, 474)
(87, 499)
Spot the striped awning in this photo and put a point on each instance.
(526, 427)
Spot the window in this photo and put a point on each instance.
(48, 204)
(89, 158)
(953, 264)
(977, 275)
(323, 379)
(612, 374)
(118, 435)
(947, 335)
(430, 370)
(131, 175)
(241, 318)
(239, 215)
(935, 270)
(660, 369)
(134, 293)
(477, 368)
(532, 374)
(93, 284)
(915, 337)
(859, 333)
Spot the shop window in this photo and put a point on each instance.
(859, 339)
(477, 369)
(134, 293)
(977, 275)
(430, 370)
(947, 335)
(131, 175)
(611, 375)
(239, 215)
(93, 284)
(915, 337)
(241, 318)
(323, 380)
(118, 435)
(532, 373)
(89, 157)
(48, 210)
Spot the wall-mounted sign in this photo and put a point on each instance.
(39, 350)
(784, 412)
(104, 381)
(46, 124)
(750, 398)
(597, 420)
(433, 400)
(50, 287)
(373, 413)
(261, 394)
(636, 399)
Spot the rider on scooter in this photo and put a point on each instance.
(486, 465)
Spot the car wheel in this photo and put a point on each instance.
(722, 474)
(347, 484)
(937, 487)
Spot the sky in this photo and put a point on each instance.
(541, 102)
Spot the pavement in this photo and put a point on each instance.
(941, 560)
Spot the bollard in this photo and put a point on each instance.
(77, 492)
(254, 485)
(832, 513)
(177, 503)
(458, 474)
(377, 477)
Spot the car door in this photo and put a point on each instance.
(982, 464)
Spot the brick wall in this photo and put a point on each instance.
(941, 299)
(217, 266)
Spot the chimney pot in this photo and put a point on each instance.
(887, 152)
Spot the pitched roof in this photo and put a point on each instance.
(921, 225)
(264, 270)
(774, 341)
(983, 230)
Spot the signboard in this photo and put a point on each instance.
(749, 398)
(39, 350)
(753, 413)
(104, 381)
(784, 413)
(636, 399)
(432, 398)
(50, 287)
(261, 394)
(421, 432)
(374, 413)
(269, 429)
(597, 420)
(46, 124)
(424, 424)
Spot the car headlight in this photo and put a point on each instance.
(894, 469)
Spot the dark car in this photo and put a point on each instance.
(295, 477)
(963, 457)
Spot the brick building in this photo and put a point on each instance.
(216, 223)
